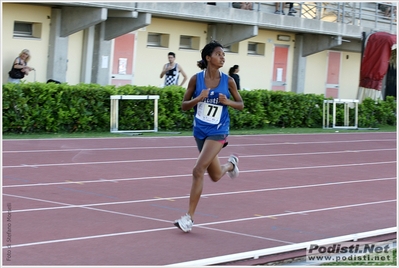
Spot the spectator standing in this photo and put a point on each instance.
(172, 71)
(280, 8)
(291, 8)
(233, 72)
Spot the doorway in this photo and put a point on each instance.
(280, 63)
(123, 56)
(333, 71)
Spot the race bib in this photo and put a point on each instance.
(209, 113)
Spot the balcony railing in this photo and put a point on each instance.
(380, 16)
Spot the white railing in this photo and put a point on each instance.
(366, 14)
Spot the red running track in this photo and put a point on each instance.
(113, 201)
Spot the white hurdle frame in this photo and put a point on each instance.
(346, 102)
(114, 116)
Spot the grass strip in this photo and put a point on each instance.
(270, 130)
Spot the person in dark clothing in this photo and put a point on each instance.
(280, 8)
(233, 73)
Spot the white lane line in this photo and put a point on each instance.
(247, 235)
(66, 205)
(97, 181)
(295, 187)
(89, 237)
(197, 225)
(99, 163)
(289, 211)
(27, 165)
(300, 212)
(327, 166)
(193, 146)
(189, 175)
(194, 158)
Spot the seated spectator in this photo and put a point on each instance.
(243, 5)
(246, 5)
(386, 8)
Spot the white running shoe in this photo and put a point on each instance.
(234, 160)
(185, 223)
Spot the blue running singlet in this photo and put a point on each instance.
(210, 116)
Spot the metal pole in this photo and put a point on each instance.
(114, 114)
(156, 115)
(334, 113)
(356, 113)
(328, 114)
(324, 114)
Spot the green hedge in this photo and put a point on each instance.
(38, 108)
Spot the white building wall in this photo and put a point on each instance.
(75, 51)
(350, 75)
(150, 60)
(316, 73)
(257, 71)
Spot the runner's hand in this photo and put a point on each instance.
(222, 98)
(204, 93)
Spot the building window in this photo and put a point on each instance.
(185, 41)
(157, 40)
(233, 48)
(256, 48)
(27, 29)
(189, 42)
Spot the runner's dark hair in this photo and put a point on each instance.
(207, 51)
